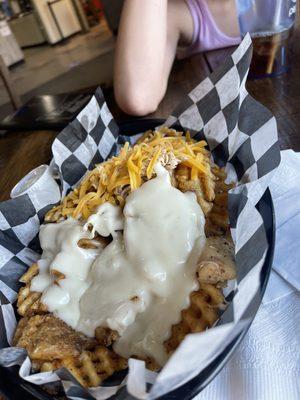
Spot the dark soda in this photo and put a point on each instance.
(271, 53)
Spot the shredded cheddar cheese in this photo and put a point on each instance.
(115, 178)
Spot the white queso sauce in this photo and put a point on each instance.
(138, 284)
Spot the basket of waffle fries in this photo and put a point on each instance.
(148, 272)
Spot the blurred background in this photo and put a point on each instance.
(45, 45)
(54, 53)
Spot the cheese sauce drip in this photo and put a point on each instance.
(63, 269)
(142, 280)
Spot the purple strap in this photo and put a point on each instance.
(207, 35)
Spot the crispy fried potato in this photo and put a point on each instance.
(46, 337)
(203, 188)
(105, 336)
(29, 303)
(202, 314)
(48, 366)
(29, 274)
(152, 364)
(217, 220)
(213, 296)
(92, 367)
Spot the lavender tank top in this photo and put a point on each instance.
(206, 35)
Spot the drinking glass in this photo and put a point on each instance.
(270, 24)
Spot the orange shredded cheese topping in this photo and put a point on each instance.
(113, 179)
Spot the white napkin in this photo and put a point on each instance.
(266, 366)
(286, 194)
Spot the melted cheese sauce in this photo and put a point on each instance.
(141, 281)
(61, 254)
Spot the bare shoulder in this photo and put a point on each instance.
(180, 17)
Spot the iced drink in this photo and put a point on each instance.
(271, 52)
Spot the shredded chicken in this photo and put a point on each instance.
(216, 265)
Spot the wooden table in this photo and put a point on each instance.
(22, 151)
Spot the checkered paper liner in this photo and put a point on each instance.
(242, 136)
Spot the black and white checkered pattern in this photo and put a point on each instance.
(241, 135)
(91, 138)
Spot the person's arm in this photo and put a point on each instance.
(148, 35)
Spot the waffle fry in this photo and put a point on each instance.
(151, 364)
(29, 303)
(203, 187)
(48, 366)
(213, 296)
(217, 219)
(201, 315)
(92, 367)
(105, 336)
(29, 274)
